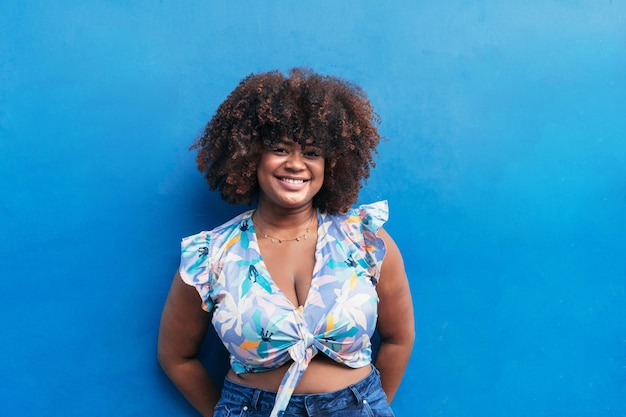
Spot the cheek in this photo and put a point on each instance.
(320, 171)
(320, 168)
(265, 165)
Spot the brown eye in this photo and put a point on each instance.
(313, 153)
(278, 149)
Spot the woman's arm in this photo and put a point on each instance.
(396, 325)
(183, 326)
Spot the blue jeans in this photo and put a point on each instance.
(366, 398)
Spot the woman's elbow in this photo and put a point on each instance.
(166, 358)
(163, 359)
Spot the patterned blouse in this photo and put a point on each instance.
(259, 326)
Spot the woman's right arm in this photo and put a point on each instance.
(183, 326)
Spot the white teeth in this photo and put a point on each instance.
(292, 181)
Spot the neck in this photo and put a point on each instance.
(284, 219)
(280, 226)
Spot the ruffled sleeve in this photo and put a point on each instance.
(373, 217)
(195, 266)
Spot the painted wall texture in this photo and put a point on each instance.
(504, 165)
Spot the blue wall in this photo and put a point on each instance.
(505, 168)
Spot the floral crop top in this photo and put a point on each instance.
(259, 326)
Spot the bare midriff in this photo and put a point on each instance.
(322, 375)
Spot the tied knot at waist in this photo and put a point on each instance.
(304, 349)
(301, 352)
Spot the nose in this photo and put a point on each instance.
(295, 161)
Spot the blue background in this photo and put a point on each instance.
(505, 167)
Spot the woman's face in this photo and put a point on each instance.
(289, 176)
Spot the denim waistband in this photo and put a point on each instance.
(303, 404)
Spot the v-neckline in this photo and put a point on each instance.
(261, 262)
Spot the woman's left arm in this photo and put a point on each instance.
(396, 325)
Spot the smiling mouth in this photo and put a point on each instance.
(292, 181)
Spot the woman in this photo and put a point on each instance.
(296, 287)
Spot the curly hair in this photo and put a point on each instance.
(265, 107)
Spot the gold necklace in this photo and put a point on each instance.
(275, 239)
